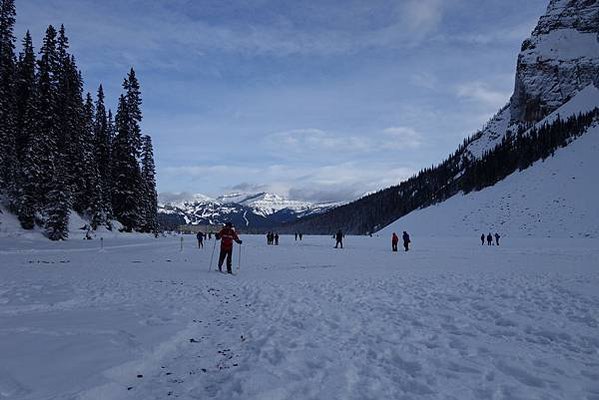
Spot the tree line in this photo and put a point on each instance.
(460, 172)
(61, 150)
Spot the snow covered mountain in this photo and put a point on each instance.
(557, 76)
(560, 59)
(555, 104)
(556, 197)
(248, 210)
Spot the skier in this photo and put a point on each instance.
(200, 237)
(482, 239)
(276, 239)
(394, 241)
(406, 241)
(227, 235)
(497, 238)
(338, 238)
(296, 236)
(489, 239)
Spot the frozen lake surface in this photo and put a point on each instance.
(450, 319)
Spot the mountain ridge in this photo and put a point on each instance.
(249, 211)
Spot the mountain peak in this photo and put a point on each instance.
(559, 59)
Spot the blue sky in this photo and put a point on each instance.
(319, 100)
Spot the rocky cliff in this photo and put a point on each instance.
(559, 59)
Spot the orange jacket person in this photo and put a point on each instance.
(227, 235)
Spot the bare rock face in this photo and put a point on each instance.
(559, 59)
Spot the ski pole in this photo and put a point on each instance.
(239, 264)
(212, 257)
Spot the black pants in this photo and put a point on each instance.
(339, 242)
(200, 244)
(394, 246)
(228, 254)
(406, 245)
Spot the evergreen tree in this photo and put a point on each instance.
(103, 143)
(45, 120)
(36, 161)
(71, 119)
(126, 175)
(24, 92)
(150, 198)
(8, 157)
(133, 100)
(58, 207)
(91, 192)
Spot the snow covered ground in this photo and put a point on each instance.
(450, 319)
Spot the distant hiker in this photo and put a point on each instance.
(394, 241)
(497, 238)
(227, 235)
(406, 240)
(296, 236)
(489, 239)
(301, 235)
(482, 239)
(200, 237)
(276, 239)
(338, 238)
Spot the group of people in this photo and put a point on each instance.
(298, 234)
(395, 240)
(489, 238)
(272, 238)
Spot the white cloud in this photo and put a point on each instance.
(315, 142)
(422, 15)
(404, 137)
(482, 93)
(332, 182)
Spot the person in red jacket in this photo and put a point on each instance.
(227, 235)
(394, 241)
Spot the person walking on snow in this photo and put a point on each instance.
(489, 239)
(497, 238)
(200, 237)
(227, 235)
(394, 241)
(339, 238)
(276, 239)
(406, 241)
(482, 239)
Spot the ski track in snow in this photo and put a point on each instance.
(448, 320)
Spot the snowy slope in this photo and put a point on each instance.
(557, 197)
